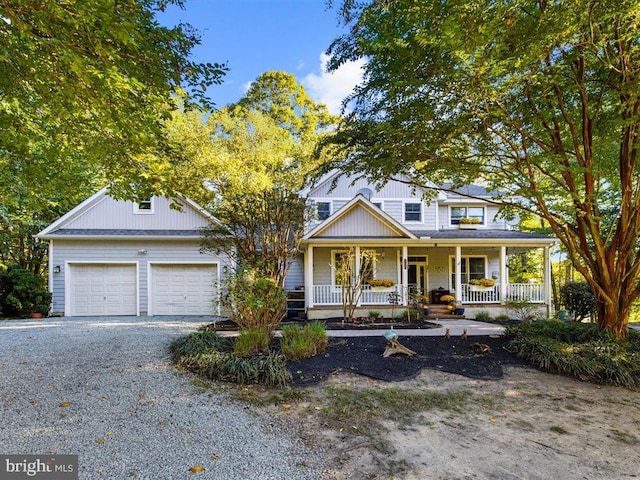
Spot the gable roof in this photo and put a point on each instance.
(71, 224)
(387, 225)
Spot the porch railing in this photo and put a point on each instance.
(530, 292)
(332, 295)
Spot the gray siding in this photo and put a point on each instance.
(344, 189)
(358, 222)
(128, 251)
(295, 278)
(109, 213)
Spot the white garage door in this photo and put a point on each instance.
(183, 289)
(102, 290)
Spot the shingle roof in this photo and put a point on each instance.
(478, 233)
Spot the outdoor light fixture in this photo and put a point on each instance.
(56, 269)
(142, 251)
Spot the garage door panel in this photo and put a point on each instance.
(183, 289)
(103, 289)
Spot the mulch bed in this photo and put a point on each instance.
(363, 355)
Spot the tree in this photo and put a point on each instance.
(352, 279)
(249, 160)
(538, 99)
(94, 78)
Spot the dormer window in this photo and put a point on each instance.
(324, 210)
(143, 207)
(458, 213)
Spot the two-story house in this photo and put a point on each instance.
(425, 247)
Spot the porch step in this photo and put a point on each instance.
(441, 311)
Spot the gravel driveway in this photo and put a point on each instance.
(104, 389)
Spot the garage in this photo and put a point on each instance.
(187, 289)
(102, 289)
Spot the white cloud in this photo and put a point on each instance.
(332, 88)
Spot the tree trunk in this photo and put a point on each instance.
(613, 317)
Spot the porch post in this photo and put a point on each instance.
(504, 279)
(357, 271)
(458, 285)
(308, 277)
(405, 275)
(547, 280)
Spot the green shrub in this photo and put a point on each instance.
(22, 292)
(374, 314)
(578, 349)
(483, 315)
(503, 317)
(203, 341)
(252, 341)
(303, 342)
(269, 370)
(254, 301)
(579, 299)
(207, 354)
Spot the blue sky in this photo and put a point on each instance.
(254, 36)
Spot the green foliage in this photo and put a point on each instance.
(578, 349)
(206, 354)
(503, 317)
(251, 341)
(254, 301)
(22, 292)
(522, 310)
(202, 341)
(483, 315)
(303, 342)
(579, 299)
(535, 100)
(94, 78)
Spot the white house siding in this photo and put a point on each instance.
(108, 213)
(295, 278)
(344, 189)
(358, 222)
(112, 251)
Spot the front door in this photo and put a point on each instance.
(417, 273)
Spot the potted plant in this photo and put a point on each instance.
(468, 223)
(381, 283)
(421, 303)
(482, 284)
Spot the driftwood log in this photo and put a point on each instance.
(394, 346)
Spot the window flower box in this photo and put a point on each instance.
(381, 284)
(468, 223)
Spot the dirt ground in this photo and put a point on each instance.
(526, 425)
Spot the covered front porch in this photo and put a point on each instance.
(425, 270)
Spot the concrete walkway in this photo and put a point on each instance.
(456, 327)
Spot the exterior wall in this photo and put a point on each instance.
(295, 278)
(491, 221)
(113, 251)
(109, 213)
(361, 221)
(392, 197)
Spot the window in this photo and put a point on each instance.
(412, 212)
(470, 268)
(343, 272)
(324, 210)
(466, 212)
(144, 206)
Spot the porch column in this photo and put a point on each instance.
(458, 285)
(405, 275)
(357, 272)
(547, 280)
(504, 279)
(308, 277)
